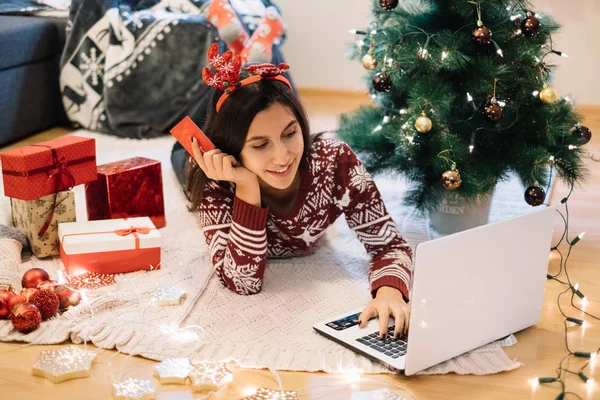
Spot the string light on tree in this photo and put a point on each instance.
(498, 49)
(560, 53)
(444, 54)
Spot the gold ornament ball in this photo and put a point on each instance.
(369, 62)
(423, 124)
(548, 95)
(451, 179)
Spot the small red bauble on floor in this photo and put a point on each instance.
(46, 301)
(26, 318)
(16, 300)
(28, 293)
(68, 298)
(33, 277)
(5, 296)
(50, 285)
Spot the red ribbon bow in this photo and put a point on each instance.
(60, 167)
(134, 231)
(58, 170)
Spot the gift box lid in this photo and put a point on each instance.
(48, 167)
(126, 165)
(39, 155)
(108, 235)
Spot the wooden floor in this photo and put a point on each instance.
(539, 348)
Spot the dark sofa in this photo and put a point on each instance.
(30, 99)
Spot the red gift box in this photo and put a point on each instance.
(126, 189)
(110, 246)
(48, 167)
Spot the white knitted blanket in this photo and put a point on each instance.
(271, 329)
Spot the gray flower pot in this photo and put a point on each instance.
(455, 214)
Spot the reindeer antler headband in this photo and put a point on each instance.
(227, 77)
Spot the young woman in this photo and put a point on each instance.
(270, 190)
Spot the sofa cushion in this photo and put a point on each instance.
(26, 39)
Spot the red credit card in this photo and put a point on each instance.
(185, 130)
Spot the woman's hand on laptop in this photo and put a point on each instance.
(388, 301)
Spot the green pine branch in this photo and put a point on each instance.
(426, 50)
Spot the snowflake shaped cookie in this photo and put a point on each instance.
(64, 364)
(173, 371)
(168, 296)
(272, 394)
(134, 389)
(208, 376)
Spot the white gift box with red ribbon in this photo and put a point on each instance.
(109, 246)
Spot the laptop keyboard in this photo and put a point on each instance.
(389, 346)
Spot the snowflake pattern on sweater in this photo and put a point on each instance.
(332, 182)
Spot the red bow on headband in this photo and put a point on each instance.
(228, 66)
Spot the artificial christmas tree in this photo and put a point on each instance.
(466, 100)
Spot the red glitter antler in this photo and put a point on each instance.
(228, 66)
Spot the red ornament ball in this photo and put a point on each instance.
(28, 293)
(5, 296)
(50, 285)
(16, 300)
(493, 112)
(47, 302)
(531, 25)
(583, 134)
(382, 83)
(482, 35)
(68, 298)
(26, 318)
(388, 4)
(33, 277)
(535, 195)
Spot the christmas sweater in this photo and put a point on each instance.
(333, 181)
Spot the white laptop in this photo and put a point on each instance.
(469, 289)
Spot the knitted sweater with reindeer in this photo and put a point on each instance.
(241, 237)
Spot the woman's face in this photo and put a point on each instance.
(274, 147)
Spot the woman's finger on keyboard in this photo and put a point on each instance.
(368, 313)
(406, 311)
(399, 318)
(384, 318)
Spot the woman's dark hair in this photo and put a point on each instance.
(228, 128)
